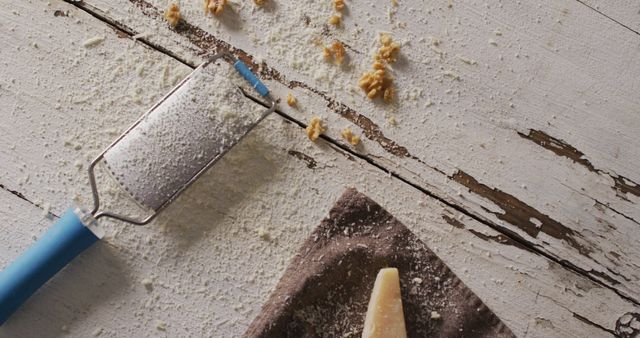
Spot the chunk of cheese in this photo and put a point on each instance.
(385, 318)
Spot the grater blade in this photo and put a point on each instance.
(182, 135)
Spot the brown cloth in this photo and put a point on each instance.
(326, 288)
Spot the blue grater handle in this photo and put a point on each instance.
(65, 240)
(251, 78)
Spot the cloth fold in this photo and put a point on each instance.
(325, 290)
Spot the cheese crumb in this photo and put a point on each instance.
(335, 20)
(291, 101)
(389, 94)
(389, 50)
(263, 233)
(147, 283)
(142, 35)
(93, 41)
(451, 74)
(260, 2)
(172, 14)
(214, 7)
(348, 135)
(435, 315)
(326, 53)
(336, 51)
(338, 5)
(161, 325)
(314, 129)
(376, 82)
(46, 208)
(466, 60)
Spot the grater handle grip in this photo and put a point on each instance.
(65, 240)
(251, 78)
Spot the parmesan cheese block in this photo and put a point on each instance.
(385, 318)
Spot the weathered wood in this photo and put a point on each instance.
(209, 267)
(538, 122)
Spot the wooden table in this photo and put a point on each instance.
(514, 155)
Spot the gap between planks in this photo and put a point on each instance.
(24, 198)
(608, 17)
(122, 30)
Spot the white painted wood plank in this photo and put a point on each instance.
(558, 68)
(49, 142)
(211, 271)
